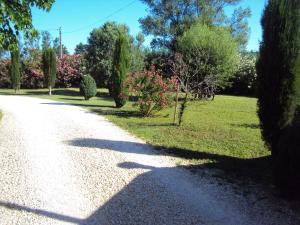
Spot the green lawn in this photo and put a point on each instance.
(220, 134)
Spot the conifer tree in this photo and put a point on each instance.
(15, 70)
(49, 68)
(88, 87)
(119, 71)
(278, 71)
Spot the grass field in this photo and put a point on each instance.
(220, 134)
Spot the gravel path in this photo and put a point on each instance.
(60, 164)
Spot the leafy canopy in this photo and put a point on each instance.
(211, 55)
(168, 20)
(100, 50)
(15, 16)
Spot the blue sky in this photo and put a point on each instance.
(78, 17)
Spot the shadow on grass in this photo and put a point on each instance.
(116, 112)
(70, 104)
(247, 125)
(256, 169)
(67, 92)
(103, 94)
(11, 93)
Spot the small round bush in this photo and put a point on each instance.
(88, 87)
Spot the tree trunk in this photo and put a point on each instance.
(176, 105)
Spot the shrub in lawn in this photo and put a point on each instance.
(152, 91)
(279, 86)
(15, 73)
(88, 87)
(119, 71)
(49, 68)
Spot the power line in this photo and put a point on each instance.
(105, 18)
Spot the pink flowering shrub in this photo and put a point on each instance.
(68, 71)
(32, 74)
(4, 74)
(152, 91)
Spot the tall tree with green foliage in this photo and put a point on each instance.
(120, 69)
(46, 39)
(15, 72)
(16, 16)
(80, 49)
(211, 55)
(168, 20)
(279, 88)
(100, 51)
(49, 68)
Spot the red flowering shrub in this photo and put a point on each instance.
(152, 91)
(68, 71)
(4, 74)
(32, 74)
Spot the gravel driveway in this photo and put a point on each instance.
(60, 164)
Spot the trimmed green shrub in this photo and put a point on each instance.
(120, 69)
(88, 87)
(49, 68)
(15, 73)
(278, 71)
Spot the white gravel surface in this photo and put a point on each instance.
(60, 164)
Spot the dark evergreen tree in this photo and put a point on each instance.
(88, 87)
(120, 69)
(15, 69)
(49, 68)
(80, 49)
(279, 87)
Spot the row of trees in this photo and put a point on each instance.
(68, 71)
(48, 65)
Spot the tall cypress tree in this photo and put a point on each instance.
(49, 68)
(120, 70)
(278, 71)
(15, 69)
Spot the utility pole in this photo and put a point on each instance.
(60, 43)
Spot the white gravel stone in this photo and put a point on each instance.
(60, 164)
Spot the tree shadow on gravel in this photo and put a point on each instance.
(103, 110)
(233, 168)
(149, 198)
